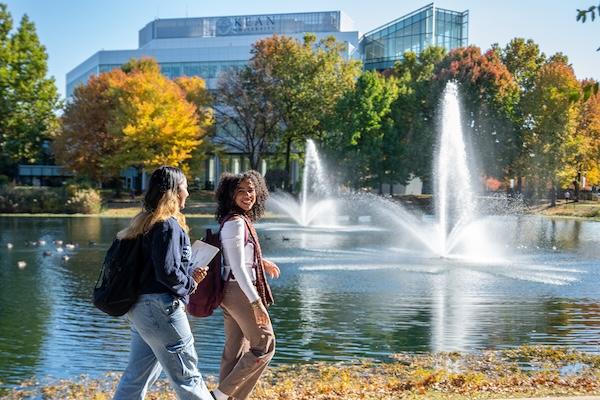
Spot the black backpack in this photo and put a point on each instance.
(117, 288)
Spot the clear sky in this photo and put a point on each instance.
(73, 30)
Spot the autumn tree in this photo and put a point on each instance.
(551, 110)
(143, 119)
(28, 98)
(85, 142)
(582, 149)
(489, 95)
(198, 94)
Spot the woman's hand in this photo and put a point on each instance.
(199, 274)
(261, 316)
(271, 268)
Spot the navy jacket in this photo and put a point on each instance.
(167, 251)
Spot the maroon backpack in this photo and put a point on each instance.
(209, 292)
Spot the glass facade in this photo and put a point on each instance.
(425, 27)
(205, 70)
(327, 21)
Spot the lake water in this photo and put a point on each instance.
(344, 294)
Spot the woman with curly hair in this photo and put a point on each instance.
(249, 336)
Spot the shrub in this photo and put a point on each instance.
(49, 200)
(84, 201)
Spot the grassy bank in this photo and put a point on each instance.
(523, 372)
(583, 209)
(202, 205)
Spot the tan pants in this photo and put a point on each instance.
(248, 347)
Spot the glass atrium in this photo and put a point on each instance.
(428, 26)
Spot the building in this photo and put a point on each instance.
(207, 46)
(427, 26)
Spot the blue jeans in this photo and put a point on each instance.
(161, 338)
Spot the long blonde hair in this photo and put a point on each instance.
(161, 202)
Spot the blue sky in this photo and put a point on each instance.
(73, 30)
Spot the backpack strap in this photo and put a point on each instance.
(231, 216)
(246, 235)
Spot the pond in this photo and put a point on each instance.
(345, 293)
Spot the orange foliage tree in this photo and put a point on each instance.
(84, 141)
(133, 116)
(489, 94)
(583, 157)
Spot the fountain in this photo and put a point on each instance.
(315, 207)
(455, 230)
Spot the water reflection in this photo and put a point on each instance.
(343, 294)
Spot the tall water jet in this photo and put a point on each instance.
(315, 205)
(454, 194)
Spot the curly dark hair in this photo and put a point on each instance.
(225, 194)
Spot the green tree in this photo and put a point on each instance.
(29, 98)
(523, 60)
(413, 113)
(307, 80)
(362, 141)
(6, 25)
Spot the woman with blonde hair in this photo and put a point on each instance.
(249, 336)
(161, 335)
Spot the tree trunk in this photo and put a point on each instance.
(576, 184)
(255, 160)
(117, 186)
(288, 169)
(553, 194)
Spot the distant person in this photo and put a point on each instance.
(249, 336)
(161, 336)
(567, 196)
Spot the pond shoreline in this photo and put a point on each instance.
(584, 210)
(527, 371)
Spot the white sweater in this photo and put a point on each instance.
(234, 251)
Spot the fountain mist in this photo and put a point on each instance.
(315, 206)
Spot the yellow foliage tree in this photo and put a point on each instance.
(588, 140)
(552, 112)
(155, 123)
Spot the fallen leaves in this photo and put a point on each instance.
(526, 371)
